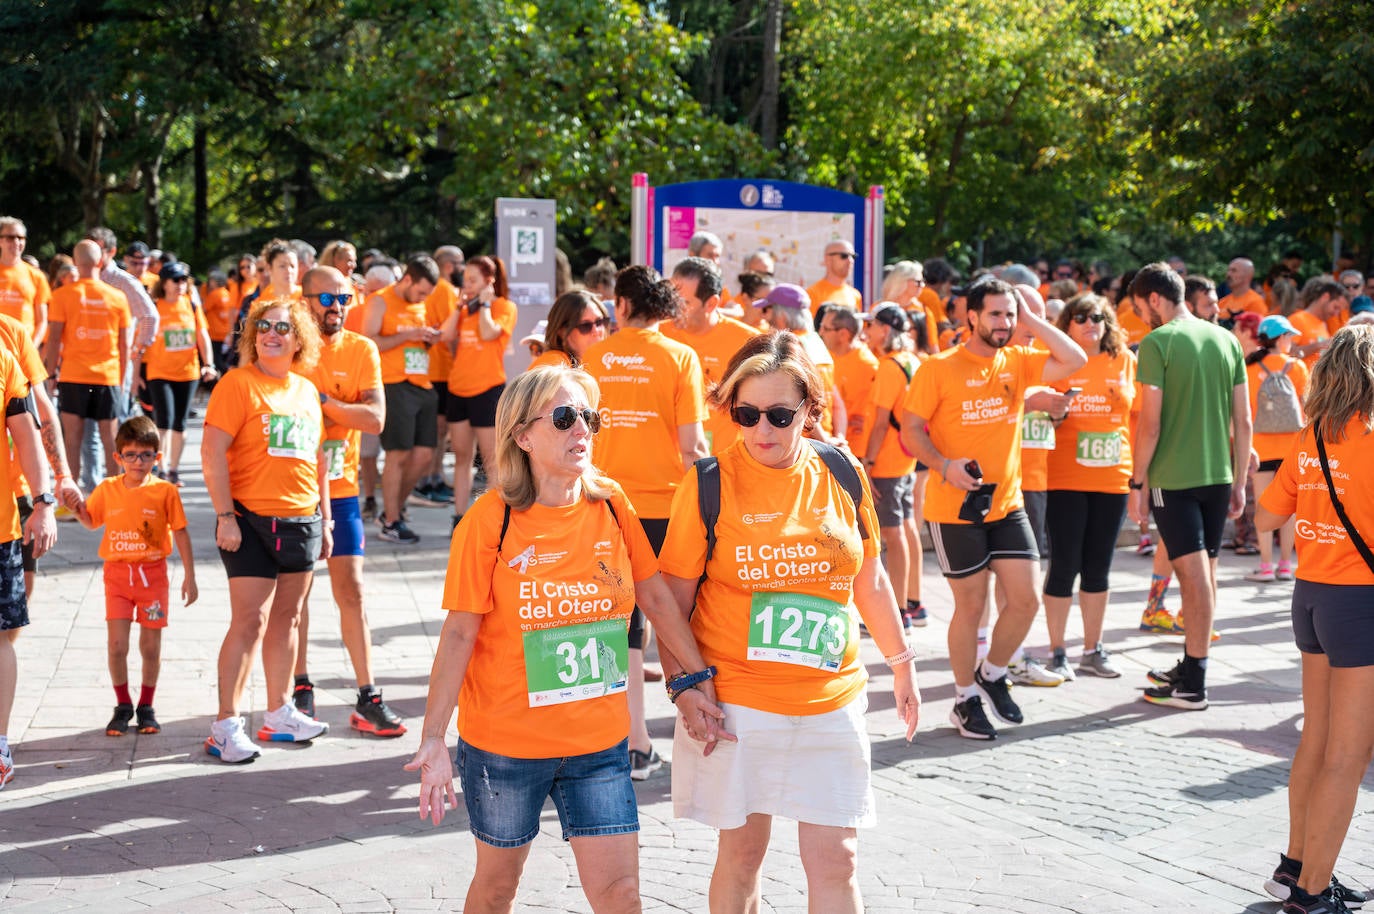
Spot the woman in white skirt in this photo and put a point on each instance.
(795, 553)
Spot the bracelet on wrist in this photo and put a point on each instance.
(684, 681)
(898, 659)
(224, 514)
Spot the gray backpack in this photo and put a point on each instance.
(1277, 408)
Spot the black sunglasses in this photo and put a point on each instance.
(589, 326)
(1083, 317)
(329, 299)
(282, 327)
(778, 416)
(563, 418)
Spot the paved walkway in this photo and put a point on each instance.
(1099, 803)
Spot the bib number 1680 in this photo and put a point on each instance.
(797, 628)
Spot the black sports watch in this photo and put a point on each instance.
(45, 498)
(1135, 486)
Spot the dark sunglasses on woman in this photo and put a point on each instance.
(282, 327)
(563, 418)
(1096, 317)
(589, 326)
(778, 416)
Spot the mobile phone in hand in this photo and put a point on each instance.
(973, 469)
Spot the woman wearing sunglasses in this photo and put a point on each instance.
(1088, 473)
(179, 358)
(577, 322)
(543, 571)
(775, 614)
(267, 477)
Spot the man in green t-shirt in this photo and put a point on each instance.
(1192, 454)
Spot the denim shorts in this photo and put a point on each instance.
(504, 796)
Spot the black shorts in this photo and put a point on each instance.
(89, 401)
(1191, 520)
(441, 396)
(24, 504)
(892, 499)
(14, 605)
(1035, 513)
(1270, 466)
(273, 546)
(1334, 619)
(656, 530)
(171, 401)
(966, 549)
(480, 410)
(412, 417)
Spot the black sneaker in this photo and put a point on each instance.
(369, 510)
(1175, 696)
(1285, 878)
(398, 533)
(998, 694)
(970, 720)
(1300, 902)
(643, 764)
(1353, 899)
(147, 720)
(371, 715)
(119, 724)
(1167, 677)
(303, 697)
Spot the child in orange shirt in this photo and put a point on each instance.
(141, 515)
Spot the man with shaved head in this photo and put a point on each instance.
(836, 286)
(89, 329)
(1240, 278)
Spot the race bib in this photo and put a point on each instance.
(417, 361)
(1099, 449)
(178, 339)
(334, 457)
(292, 436)
(576, 662)
(796, 628)
(1037, 432)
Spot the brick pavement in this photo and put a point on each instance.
(1099, 803)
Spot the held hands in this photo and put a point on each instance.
(702, 718)
(436, 779)
(69, 494)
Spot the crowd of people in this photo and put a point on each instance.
(744, 470)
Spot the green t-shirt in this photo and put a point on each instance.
(1196, 364)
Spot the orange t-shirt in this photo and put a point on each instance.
(1326, 554)
(1135, 326)
(775, 614)
(174, 355)
(1338, 320)
(1311, 329)
(219, 314)
(1249, 300)
(438, 306)
(650, 386)
(348, 366)
(408, 362)
(238, 291)
(276, 425)
(12, 385)
(1092, 450)
(854, 374)
(92, 314)
(973, 407)
(547, 677)
(551, 358)
(23, 290)
(934, 307)
(715, 348)
(1275, 445)
(479, 364)
(826, 291)
(889, 390)
(951, 337)
(138, 521)
(18, 342)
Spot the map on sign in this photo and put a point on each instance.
(796, 239)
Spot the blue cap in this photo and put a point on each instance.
(1275, 326)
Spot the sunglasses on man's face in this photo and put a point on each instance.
(330, 299)
(746, 416)
(589, 326)
(564, 417)
(1096, 317)
(282, 328)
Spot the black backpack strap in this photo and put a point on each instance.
(1336, 502)
(910, 373)
(505, 522)
(708, 500)
(845, 474)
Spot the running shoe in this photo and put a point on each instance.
(1264, 574)
(1028, 671)
(998, 693)
(442, 491)
(369, 509)
(1178, 626)
(1285, 878)
(1171, 676)
(287, 725)
(6, 767)
(1300, 902)
(303, 697)
(971, 720)
(398, 533)
(424, 497)
(1059, 665)
(229, 742)
(1285, 573)
(1160, 621)
(147, 720)
(1174, 696)
(174, 477)
(1098, 663)
(119, 724)
(1146, 546)
(371, 715)
(914, 617)
(643, 764)
(1353, 899)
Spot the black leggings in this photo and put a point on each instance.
(1083, 527)
(171, 402)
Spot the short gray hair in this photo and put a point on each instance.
(700, 240)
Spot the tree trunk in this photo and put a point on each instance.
(772, 42)
(152, 202)
(200, 222)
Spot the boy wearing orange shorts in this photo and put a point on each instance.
(141, 515)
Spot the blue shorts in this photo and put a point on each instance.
(593, 794)
(14, 605)
(348, 526)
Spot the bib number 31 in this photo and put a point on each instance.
(576, 662)
(796, 628)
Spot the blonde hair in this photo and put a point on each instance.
(524, 399)
(778, 351)
(895, 283)
(303, 326)
(1342, 386)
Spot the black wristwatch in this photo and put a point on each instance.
(45, 498)
(1135, 486)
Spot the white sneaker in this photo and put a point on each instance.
(6, 768)
(1029, 671)
(287, 725)
(229, 742)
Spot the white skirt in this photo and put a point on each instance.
(814, 769)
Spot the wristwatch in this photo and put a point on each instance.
(1135, 486)
(45, 498)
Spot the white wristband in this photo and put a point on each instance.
(903, 657)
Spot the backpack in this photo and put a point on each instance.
(1277, 408)
(708, 488)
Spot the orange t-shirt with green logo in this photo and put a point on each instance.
(825, 291)
(408, 362)
(973, 407)
(138, 520)
(547, 677)
(92, 314)
(12, 385)
(23, 290)
(174, 355)
(1326, 554)
(1092, 450)
(775, 614)
(889, 391)
(219, 314)
(1311, 329)
(348, 366)
(438, 306)
(855, 371)
(18, 342)
(479, 364)
(715, 348)
(276, 425)
(1275, 445)
(650, 386)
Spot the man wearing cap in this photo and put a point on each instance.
(1240, 278)
(24, 290)
(788, 307)
(137, 257)
(855, 368)
(834, 287)
(1320, 300)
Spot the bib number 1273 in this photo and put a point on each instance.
(797, 628)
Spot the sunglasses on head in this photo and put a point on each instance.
(564, 417)
(589, 326)
(746, 416)
(1096, 317)
(329, 299)
(281, 327)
